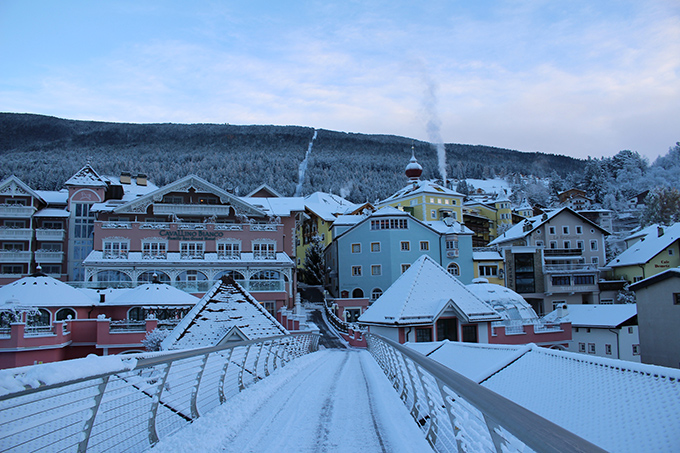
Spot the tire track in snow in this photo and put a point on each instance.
(322, 429)
(370, 408)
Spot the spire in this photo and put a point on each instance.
(413, 169)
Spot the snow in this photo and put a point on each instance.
(327, 206)
(52, 212)
(86, 176)
(490, 185)
(331, 400)
(43, 291)
(602, 316)
(442, 227)
(54, 197)
(505, 301)
(420, 187)
(647, 248)
(175, 258)
(486, 256)
(34, 376)
(156, 294)
(615, 404)
(280, 206)
(421, 293)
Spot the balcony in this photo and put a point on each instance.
(14, 256)
(16, 234)
(569, 267)
(48, 256)
(12, 210)
(562, 252)
(45, 234)
(228, 255)
(192, 209)
(197, 286)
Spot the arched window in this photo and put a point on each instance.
(148, 277)
(112, 276)
(136, 314)
(236, 275)
(357, 293)
(377, 292)
(191, 276)
(453, 269)
(42, 318)
(64, 313)
(266, 275)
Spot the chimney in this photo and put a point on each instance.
(141, 179)
(125, 177)
(659, 231)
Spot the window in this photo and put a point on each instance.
(270, 306)
(424, 246)
(579, 245)
(608, 349)
(561, 280)
(567, 244)
(356, 248)
(423, 334)
(51, 269)
(579, 229)
(584, 280)
(558, 303)
(607, 301)
(595, 260)
(52, 225)
(377, 292)
(404, 267)
(15, 224)
(453, 269)
(565, 230)
(192, 250)
(41, 318)
(630, 330)
(551, 230)
(553, 244)
(116, 249)
(525, 280)
(582, 347)
(469, 333)
(13, 246)
(670, 252)
(405, 246)
(593, 245)
(389, 224)
(452, 244)
(676, 298)
(591, 348)
(488, 270)
(356, 271)
(154, 249)
(229, 250)
(433, 214)
(375, 246)
(637, 278)
(636, 349)
(64, 313)
(376, 269)
(431, 200)
(358, 293)
(51, 246)
(539, 243)
(14, 269)
(264, 250)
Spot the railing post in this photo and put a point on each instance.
(194, 390)
(242, 387)
(155, 401)
(256, 376)
(223, 377)
(266, 359)
(87, 429)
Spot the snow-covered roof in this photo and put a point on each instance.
(86, 176)
(348, 219)
(41, 291)
(670, 273)
(647, 248)
(642, 232)
(153, 294)
(419, 187)
(327, 205)
(265, 189)
(421, 294)
(448, 227)
(281, 206)
(600, 316)
(504, 301)
(496, 185)
(52, 197)
(225, 312)
(615, 404)
(52, 212)
(175, 259)
(486, 256)
(14, 186)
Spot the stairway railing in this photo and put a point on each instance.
(457, 414)
(136, 406)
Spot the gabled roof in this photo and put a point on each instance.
(600, 316)
(86, 176)
(328, 206)
(417, 188)
(264, 191)
(14, 186)
(518, 231)
(225, 306)
(647, 248)
(670, 273)
(140, 204)
(615, 404)
(421, 294)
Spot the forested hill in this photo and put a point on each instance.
(45, 151)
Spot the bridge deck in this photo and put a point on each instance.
(332, 400)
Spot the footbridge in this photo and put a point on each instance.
(274, 394)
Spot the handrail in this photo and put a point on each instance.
(133, 407)
(458, 414)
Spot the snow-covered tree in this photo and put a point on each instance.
(662, 206)
(152, 341)
(315, 265)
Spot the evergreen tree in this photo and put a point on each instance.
(662, 206)
(315, 265)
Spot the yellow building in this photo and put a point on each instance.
(498, 213)
(489, 265)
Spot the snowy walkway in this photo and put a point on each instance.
(328, 401)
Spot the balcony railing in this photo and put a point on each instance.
(48, 256)
(197, 286)
(16, 234)
(192, 209)
(569, 267)
(228, 255)
(14, 256)
(562, 252)
(264, 255)
(46, 234)
(11, 210)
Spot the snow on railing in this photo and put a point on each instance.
(457, 414)
(127, 403)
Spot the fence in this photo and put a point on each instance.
(457, 414)
(130, 410)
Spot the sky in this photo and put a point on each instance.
(574, 77)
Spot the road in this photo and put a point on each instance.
(330, 401)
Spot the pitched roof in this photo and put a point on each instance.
(417, 188)
(617, 405)
(670, 273)
(154, 294)
(224, 310)
(421, 294)
(328, 206)
(600, 316)
(14, 186)
(647, 248)
(41, 291)
(279, 206)
(86, 176)
(264, 189)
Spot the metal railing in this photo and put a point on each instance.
(133, 408)
(456, 414)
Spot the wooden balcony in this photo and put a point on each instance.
(45, 234)
(16, 234)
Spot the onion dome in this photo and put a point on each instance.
(413, 169)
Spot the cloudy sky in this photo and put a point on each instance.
(575, 77)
